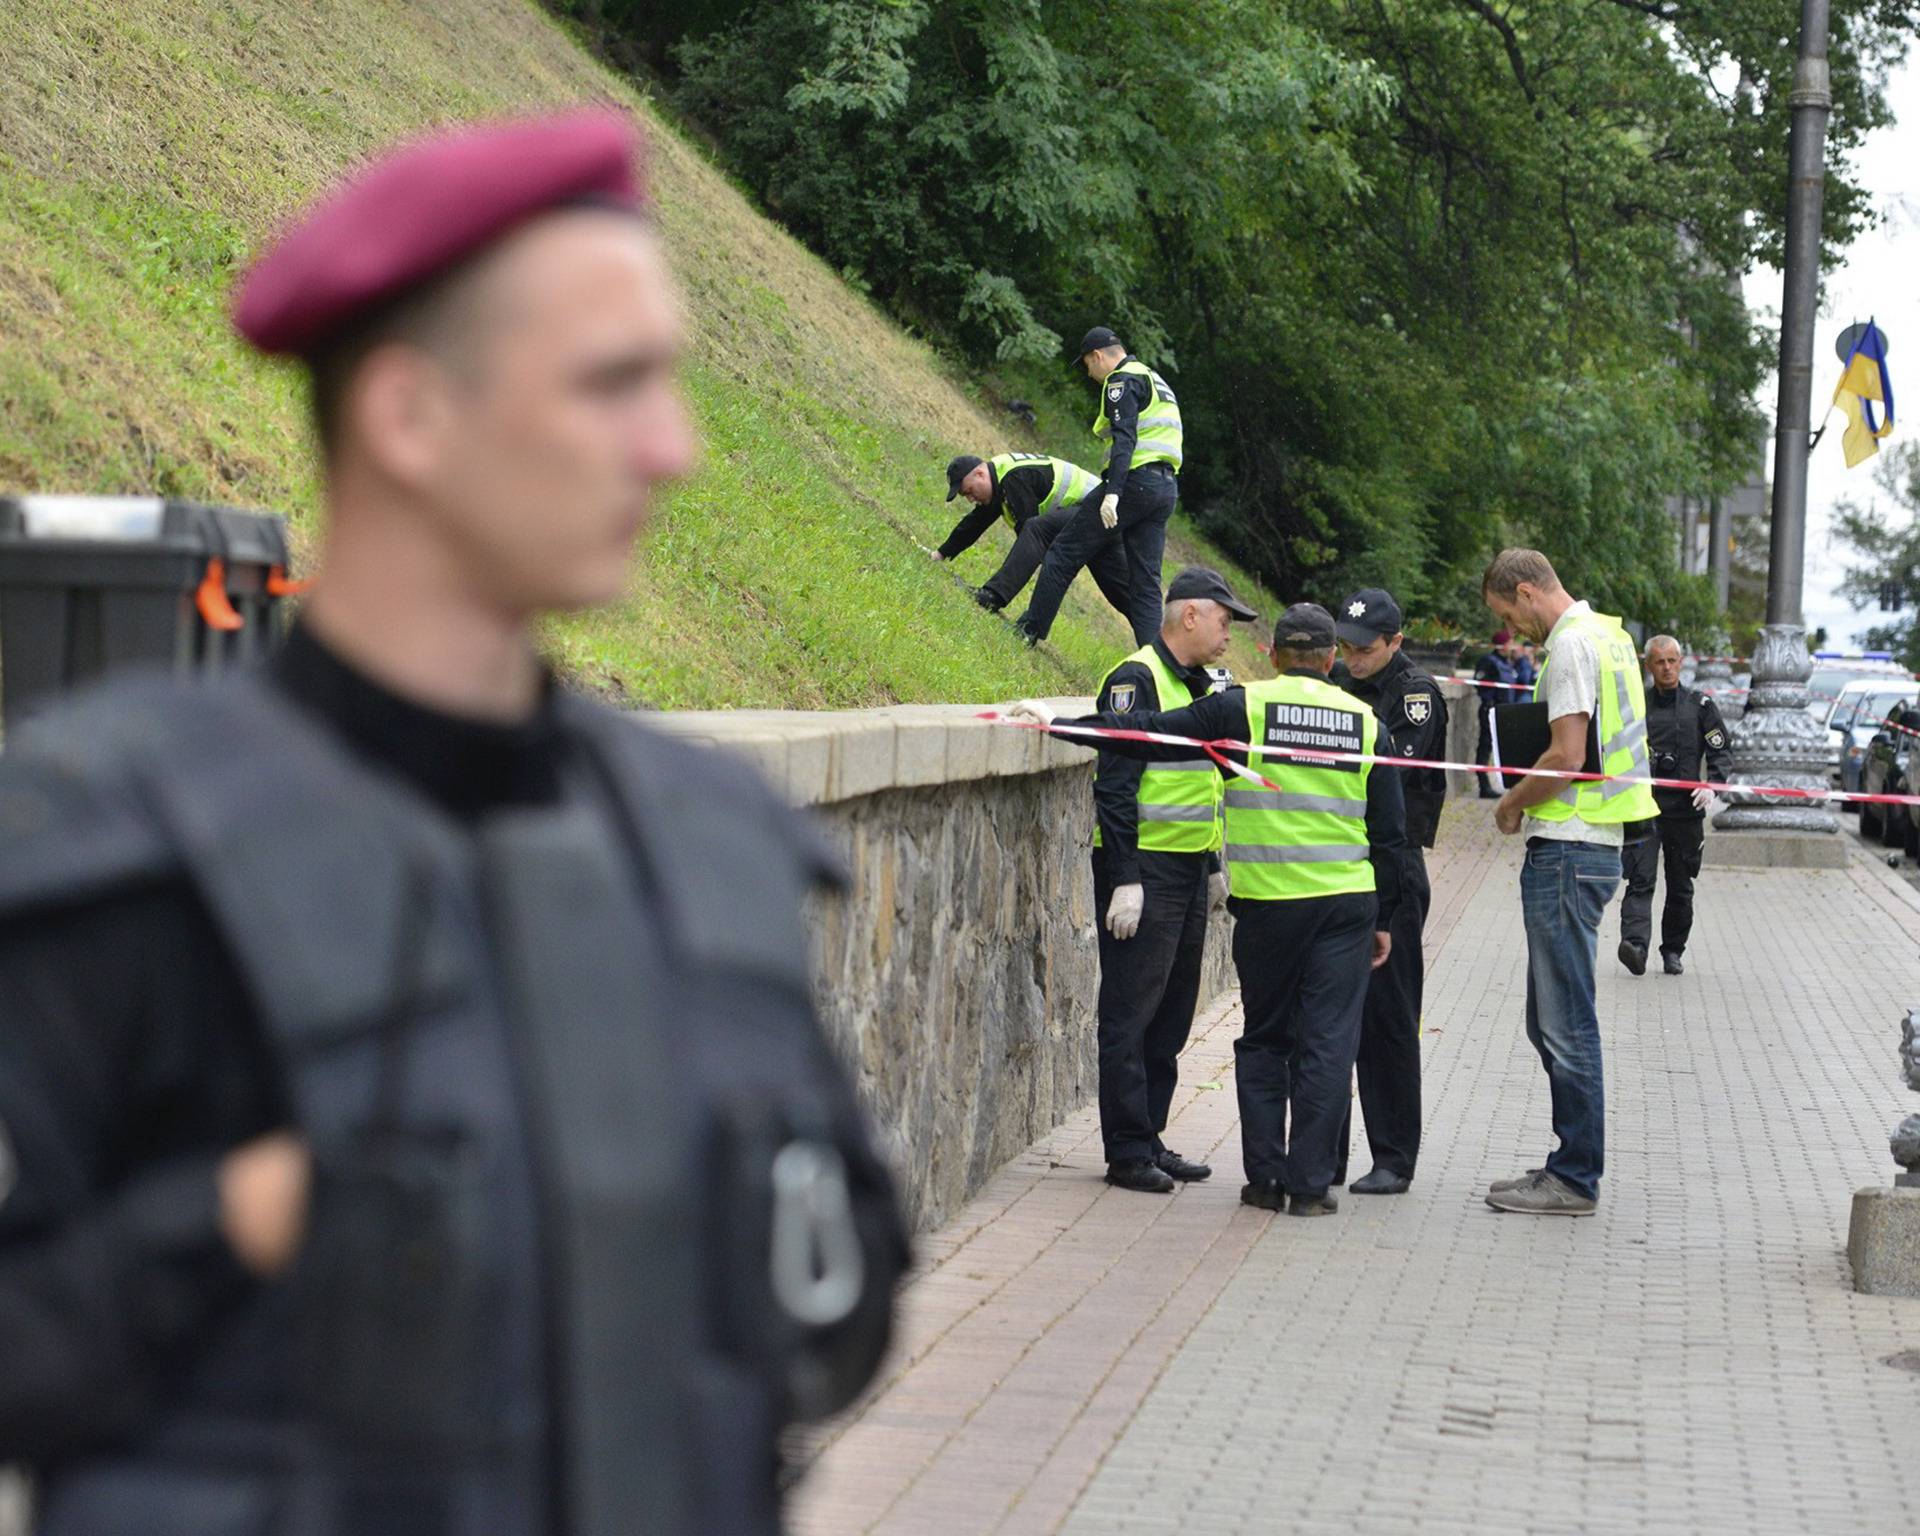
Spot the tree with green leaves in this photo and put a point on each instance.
(1886, 542)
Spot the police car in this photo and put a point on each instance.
(1833, 670)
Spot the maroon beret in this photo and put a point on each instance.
(425, 207)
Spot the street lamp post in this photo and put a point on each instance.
(1777, 742)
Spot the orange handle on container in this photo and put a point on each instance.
(279, 584)
(211, 599)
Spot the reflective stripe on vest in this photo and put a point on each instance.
(1159, 438)
(1071, 483)
(1622, 730)
(1179, 802)
(1308, 837)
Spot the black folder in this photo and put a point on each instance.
(1521, 734)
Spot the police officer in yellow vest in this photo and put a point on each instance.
(1038, 497)
(1156, 875)
(1313, 860)
(1596, 708)
(1139, 420)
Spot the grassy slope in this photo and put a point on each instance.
(143, 153)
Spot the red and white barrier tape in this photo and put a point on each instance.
(1217, 749)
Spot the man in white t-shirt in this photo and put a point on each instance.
(1572, 867)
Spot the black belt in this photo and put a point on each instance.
(1571, 842)
(1161, 465)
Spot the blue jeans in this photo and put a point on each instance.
(1564, 889)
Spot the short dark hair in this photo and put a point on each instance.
(1299, 656)
(1511, 567)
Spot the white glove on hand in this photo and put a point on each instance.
(1705, 800)
(1123, 912)
(1217, 890)
(1109, 510)
(1036, 710)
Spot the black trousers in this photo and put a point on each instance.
(1303, 983)
(1148, 987)
(1145, 505)
(1678, 840)
(1107, 564)
(1388, 1062)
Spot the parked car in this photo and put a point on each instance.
(1856, 717)
(1889, 770)
(1833, 670)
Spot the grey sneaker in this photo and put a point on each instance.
(1501, 1186)
(1542, 1195)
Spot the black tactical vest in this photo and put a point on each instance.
(595, 1213)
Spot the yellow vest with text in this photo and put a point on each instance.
(1179, 800)
(1070, 482)
(1159, 436)
(1308, 837)
(1622, 728)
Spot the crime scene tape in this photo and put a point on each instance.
(1217, 750)
(1741, 693)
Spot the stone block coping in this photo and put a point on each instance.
(820, 757)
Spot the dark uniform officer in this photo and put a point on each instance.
(1139, 418)
(1038, 497)
(1413, 714)
(1684, 730)
(416, 1115)
(1314, 866)
(1156, 856)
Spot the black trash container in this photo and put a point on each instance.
(90, 584)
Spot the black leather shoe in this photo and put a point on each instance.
(1174, 1166)
(1670, 961)
(1027, 637)
(1633, 957)
(1322, 1204)
(1139, 1174)
(1382, 1181)
(987, 600)
(1268, 1194)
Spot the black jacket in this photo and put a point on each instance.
(1018, 493)
(1413, 718)
(1116, 782)
(1122, 398)
(1683, 728)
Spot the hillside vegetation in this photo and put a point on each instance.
(145, 150)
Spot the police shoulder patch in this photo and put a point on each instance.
(1116, 392)
(1121, 697)
(1419, 707)
(1716, 737)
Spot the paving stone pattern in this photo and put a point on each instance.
(1084, 1360)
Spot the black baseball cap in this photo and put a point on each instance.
(1096, 340)
(1367, 615)
(958, 470)
(1303, 627)
(1198, 581)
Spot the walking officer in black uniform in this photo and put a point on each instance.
(1313, 861)
(1139, 420)
(1038, 496)
(1413, 723)
(416, 1120)
(1684, 732)
(1156, 876)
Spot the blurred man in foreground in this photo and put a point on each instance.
(419, 1120)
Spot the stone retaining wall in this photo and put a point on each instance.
(958, 975)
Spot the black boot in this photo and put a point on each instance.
(1670, 962)
(1267, 1194)
(1139, 1174)
(1633, 957)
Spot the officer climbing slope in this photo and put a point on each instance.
(1037, 496)
(1139, 418)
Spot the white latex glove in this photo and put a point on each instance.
(1109, 510)
(1705, 800)
(1037, 710)
(1217, 890)
(1123, 912)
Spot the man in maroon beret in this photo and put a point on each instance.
(413, 1118)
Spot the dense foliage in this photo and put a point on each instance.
(1430, 275)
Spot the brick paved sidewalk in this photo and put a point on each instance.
(1081, 1359)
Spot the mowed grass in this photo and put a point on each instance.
(144, 153)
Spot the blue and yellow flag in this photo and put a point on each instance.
(1863, 380)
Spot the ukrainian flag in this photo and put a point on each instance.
(1863, 380)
